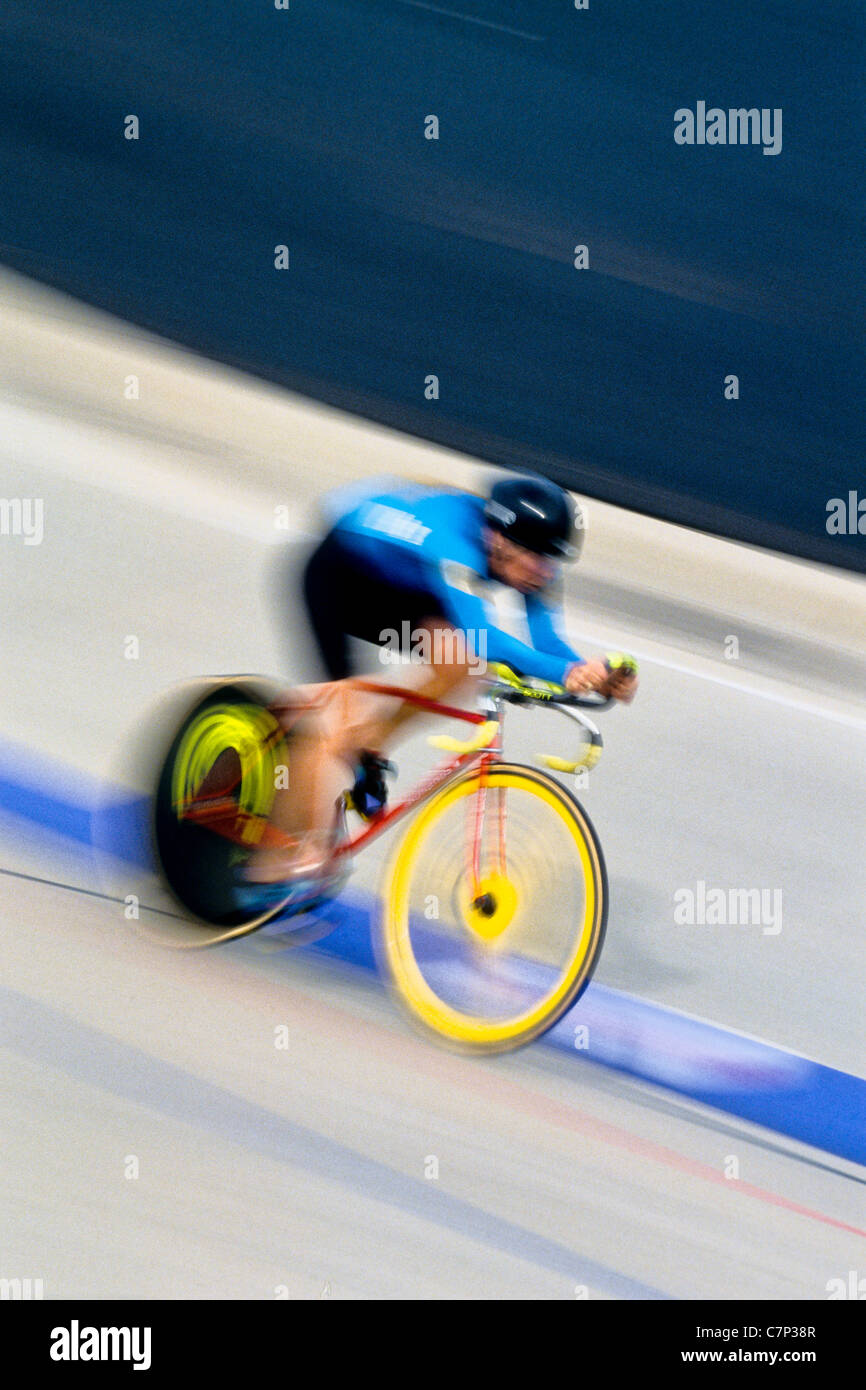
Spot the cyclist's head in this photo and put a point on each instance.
(533, 524)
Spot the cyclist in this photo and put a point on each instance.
(462, 579)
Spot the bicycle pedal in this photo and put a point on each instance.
(368, 796)
(365, 814)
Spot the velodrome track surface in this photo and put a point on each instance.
(304, 1170)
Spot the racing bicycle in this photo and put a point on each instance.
(495, 897)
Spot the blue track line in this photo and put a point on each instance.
(753, 1080)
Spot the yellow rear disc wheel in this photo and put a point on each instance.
(471, 1031)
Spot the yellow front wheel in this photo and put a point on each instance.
(490, 949)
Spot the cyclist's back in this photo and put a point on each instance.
(396, 558)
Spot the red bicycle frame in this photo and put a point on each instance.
(437, 778)
(217, 811)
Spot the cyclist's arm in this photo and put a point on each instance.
(468, 612)
(546, 627)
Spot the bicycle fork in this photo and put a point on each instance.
(482, 900)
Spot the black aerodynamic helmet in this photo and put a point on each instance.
(535, 513)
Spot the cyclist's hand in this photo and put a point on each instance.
(622, 678)
(587, 675)
(618, 682)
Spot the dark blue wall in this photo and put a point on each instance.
(409, 256)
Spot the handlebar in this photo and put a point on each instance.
(505, 686)
(508, 686)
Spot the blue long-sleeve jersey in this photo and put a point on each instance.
(433, 542)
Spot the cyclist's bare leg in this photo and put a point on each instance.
(376, 723)
(330, 725)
